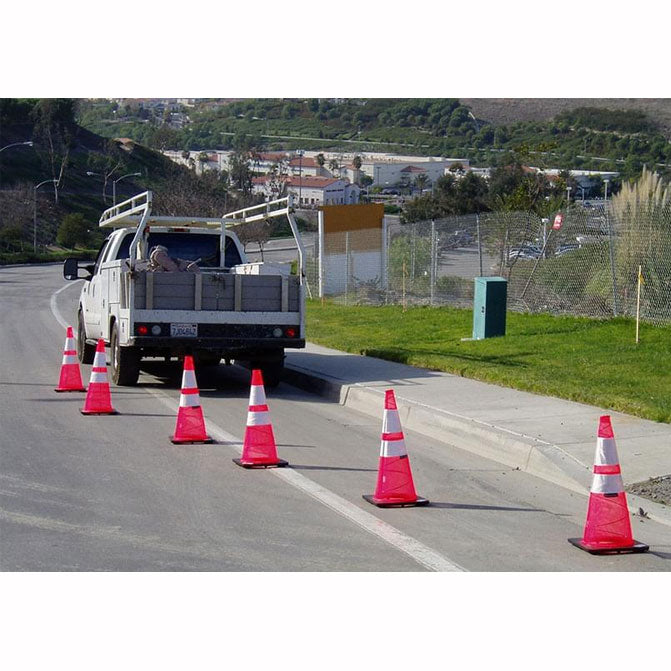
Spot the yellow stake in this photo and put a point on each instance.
(638, 301)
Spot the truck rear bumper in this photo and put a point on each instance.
(229, 345)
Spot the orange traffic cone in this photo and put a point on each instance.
(607, 528)
(71, 377)
(190, 427)
(395, 488)
(259, 449)
(98, 400)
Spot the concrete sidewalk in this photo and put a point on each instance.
(547, 437)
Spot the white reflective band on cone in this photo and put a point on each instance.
(69, 343)
(189, 400)
(98, 377)
(258, 418)
(69, 359)
(257, 395)
(607, 484)
(100, 360)
(606, 452)
(189, 380)
(393, 448)
(391, 422)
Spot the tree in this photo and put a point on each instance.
(16, 209)
(11, 237)
(365, 180)
(254, 231)
(421, 181)
(333, 165)
(472, 192)
(73, 230)
(409, 254)
(106, 162)
(55, 130)
(240, 172)
(357, 162)
(321, 160)
(163, 138)
(277, 180)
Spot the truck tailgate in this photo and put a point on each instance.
(216, 292)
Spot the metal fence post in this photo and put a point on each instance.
(477, 226)
(610, 246)
(320, 256)
(433, 262)
(387, 243)
(347, 266)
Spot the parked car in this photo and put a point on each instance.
(523, 252)
(566, 248)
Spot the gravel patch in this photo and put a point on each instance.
(655, 489)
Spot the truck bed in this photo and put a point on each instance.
(215, 291)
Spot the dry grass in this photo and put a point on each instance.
(503, 111)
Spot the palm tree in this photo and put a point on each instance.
(421, 181)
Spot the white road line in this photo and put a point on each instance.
(421, 553)
(54, 308)
(416, 550)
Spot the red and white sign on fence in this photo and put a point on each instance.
(559, 220)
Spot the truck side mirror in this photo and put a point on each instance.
(71, 270)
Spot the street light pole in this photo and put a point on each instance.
(29, 143)
(130, 174)
(98, 174)
(46, 181)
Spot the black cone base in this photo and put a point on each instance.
(280, 464)
(61, 391)
(401, 504)
(88, 412)
(631, 549)
(207, 439)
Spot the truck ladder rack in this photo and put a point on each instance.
(269, 210)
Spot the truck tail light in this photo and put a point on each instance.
(142, 330)
(290, 332)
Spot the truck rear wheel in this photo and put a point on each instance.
(85, 352)
(271, 371)
(125, 361)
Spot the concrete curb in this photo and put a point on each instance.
(525, 453)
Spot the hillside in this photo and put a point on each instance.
(65, 151)
(506, 111)
(566, 134)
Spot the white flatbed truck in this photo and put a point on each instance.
(230, 309)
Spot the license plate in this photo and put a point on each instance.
(184, 330)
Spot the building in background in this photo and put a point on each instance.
(308, 192)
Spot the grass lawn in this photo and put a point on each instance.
(587, 360)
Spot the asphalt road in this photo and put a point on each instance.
(111, 493)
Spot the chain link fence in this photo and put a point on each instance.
(589, 266)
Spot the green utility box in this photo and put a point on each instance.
(489, 307)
